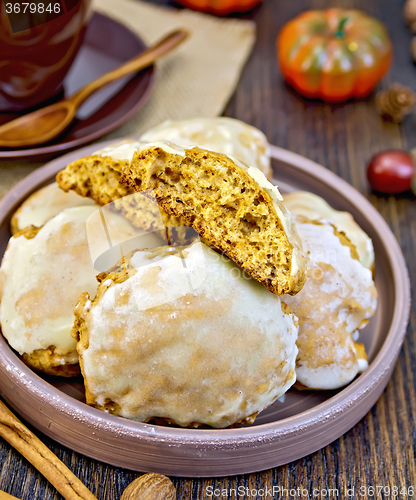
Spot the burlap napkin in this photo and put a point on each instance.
(196, 80)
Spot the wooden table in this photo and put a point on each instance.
(380, 449)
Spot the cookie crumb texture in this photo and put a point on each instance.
(228, 208)
(53, 361)
(96, 177)
(99, 178)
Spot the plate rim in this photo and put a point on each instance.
(372, 382)
(61, 147)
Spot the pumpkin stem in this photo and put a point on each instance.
(340, 32)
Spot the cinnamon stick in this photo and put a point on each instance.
(41, 457)
(6, 496)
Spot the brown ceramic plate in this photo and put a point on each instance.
(305, 422)
(107, 45)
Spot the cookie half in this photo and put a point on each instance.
(98, 177)
(232, 206)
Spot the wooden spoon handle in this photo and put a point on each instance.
(139, 62)
(41, 457)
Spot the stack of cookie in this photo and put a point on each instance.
(212, 299)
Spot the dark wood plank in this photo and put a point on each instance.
(380, 449)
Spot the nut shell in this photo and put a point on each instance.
(150, 486)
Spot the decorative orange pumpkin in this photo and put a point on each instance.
(220, 7)
(334, 54)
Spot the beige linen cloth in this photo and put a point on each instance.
(196, 80)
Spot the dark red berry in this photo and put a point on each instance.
(391, 171)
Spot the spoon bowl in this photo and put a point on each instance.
(37, 127)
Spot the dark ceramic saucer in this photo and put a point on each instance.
(107, 44)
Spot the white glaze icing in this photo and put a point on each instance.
(122, 150)
(316, 208)
(189, 339)
(222, 135)
(44, 204)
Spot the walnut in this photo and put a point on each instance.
(151, 486)
(396, 102)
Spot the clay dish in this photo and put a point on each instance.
(304, 423)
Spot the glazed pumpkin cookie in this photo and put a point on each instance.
(52, 360)
(41, 278)
(43, 273)
(316, 208)
(185, 337)
(232, 206)
(221, 134)
(337, 300)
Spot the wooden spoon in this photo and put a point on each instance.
(148, 487)
(44, 124)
